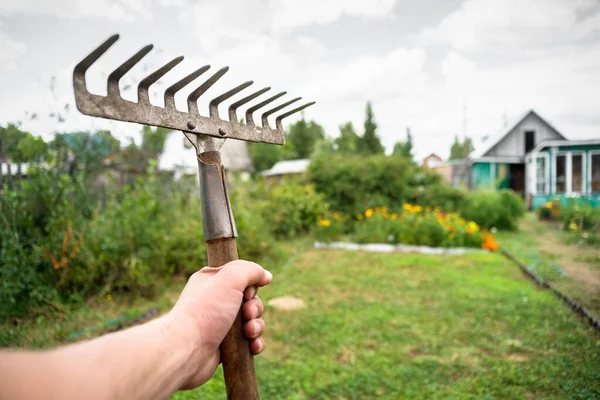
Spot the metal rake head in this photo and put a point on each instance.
(113, 106)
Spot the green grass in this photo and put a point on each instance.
(402, 326)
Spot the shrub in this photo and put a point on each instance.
(330, 227)
(420, 226)
(293, 209)
(579, 216)
(353, 183)
(494, 209)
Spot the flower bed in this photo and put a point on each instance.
(413, 225)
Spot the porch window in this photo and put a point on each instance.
(577, 173)
(595, 172)
(540, 175)
(561, 173)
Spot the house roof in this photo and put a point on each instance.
(287, 167)
(562, 143)
(489, 142)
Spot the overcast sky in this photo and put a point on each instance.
(430, 65)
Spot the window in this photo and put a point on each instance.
(561, 173)
(529, 141)
(595, 172)
(541, 168)
(577, 173)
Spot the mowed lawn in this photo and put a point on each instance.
(414, 326)
(397, 326)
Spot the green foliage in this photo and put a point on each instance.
(153, 140)
(302, 137)
(293, 209)
(264, 155)
(370, 142)
(460, 150)
(494, 209)
(440, 195)
(348, 142)
(579, 216)
(330, 227)
(404, 149)
(352, 184)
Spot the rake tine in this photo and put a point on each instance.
(213, 106)
(199, 91)
(177, 86)
(265, 121)
(279, 125)
(117, 74)
(249, 119)
(153, 77)
(84, 64)
(234, 106)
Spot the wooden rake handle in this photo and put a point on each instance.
(236, 356)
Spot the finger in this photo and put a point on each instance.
(254, 328)
(253, 309)
(250, 292)
(257, 345)
(240, 274)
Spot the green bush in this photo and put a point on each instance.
(293, 208)
(500, 209)
(351, 184)
(577, 215)
(416, 225)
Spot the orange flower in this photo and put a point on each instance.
(490, 243)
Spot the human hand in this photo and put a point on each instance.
(208, 306)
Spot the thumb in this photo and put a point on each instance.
(240, 274)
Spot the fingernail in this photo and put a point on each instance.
(256, 329)
(269, 275)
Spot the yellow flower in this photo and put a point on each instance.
(394, 216)
(382, 210)
(472, 226)
(417, 209)
(369, 213)
(407, 207)
(548, 204)
(324, 222)
(359, 216)
(573, 227)
(108, 297)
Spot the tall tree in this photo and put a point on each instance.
(404, 149)
(348, 142)
(303, 136)
(370, 142)
(153, 140)
(460, 150)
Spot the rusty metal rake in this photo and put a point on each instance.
(207, 134)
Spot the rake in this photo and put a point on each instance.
(207, 134)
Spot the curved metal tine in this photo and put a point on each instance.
(145, 83)
(265, 121)
(199, 91)
(234, 106)
(250, 111)
(279, 125)
(84, 64)
(117, 74)
(177, 86)
(213, 106)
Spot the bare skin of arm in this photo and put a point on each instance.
(179, 350)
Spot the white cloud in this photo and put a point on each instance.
(117, 10)
(509, 25)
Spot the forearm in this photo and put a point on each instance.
(150, 361)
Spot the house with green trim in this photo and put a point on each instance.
(531, 157)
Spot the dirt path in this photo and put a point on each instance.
(571, 258)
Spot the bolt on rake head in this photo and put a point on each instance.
(113, 106)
